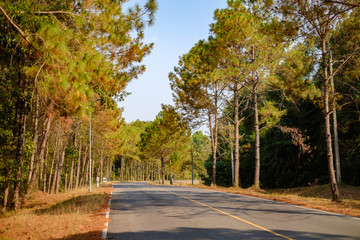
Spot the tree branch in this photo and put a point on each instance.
(16, 27)
(343, 3)
(53, 12)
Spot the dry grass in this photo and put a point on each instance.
(318, 197)
(74, 215)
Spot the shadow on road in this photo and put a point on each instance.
(94, 235)
(217, 233)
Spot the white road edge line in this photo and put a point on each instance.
(104, 233)
(107, 215)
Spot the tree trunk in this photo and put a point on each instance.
(33, 159)
(213, 134)
(44, 189)
(70, 186)
(43, 167)
(60, 168)
(83, 173)
(57, 163)
(39, 163)
(71, 181)
(333, 184)
(257, 138)
(162, 170)
(78, 169)
(20, 157)
(236, 137)
(102, 164)
(66, 174)
(335, 127)
(86, 174)
(51, 170)
(171, 173)
(107, 170)
(6, 195)
(122, 168)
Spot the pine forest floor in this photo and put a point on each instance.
(73, 215)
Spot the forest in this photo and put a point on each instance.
(276, 83)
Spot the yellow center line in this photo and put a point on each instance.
(228, 214)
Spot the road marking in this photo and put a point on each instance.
(104, 233)
(107, 215)
(228, 214)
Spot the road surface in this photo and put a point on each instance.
(142, 211)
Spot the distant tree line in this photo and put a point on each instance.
(160, 150)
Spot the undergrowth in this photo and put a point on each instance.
(80, 204)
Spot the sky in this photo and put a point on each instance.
(179, 25)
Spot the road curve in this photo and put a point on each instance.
(142, 211)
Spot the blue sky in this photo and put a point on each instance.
(179, 24)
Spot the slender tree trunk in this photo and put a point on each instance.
(102, 163)
(92, 171)
(152, 172)
(66, 174)
(162, 170)
(171, 173)
(122, 168)
(147, 171)
(39, 163)
(20, 157)
(333, 184)
(35, 143)
(257, 138)
(70, 187)
(335, 127)
(57, 164)
(6, 194)
(108, 167)
(236, 137)
(78, 169)
(143, 171)
(51, 170)
(60, 168)
(44, 177)
(83, 173)
(55, 175)
(127, 174)
(213, 135)
(86, 174)
(43, 167)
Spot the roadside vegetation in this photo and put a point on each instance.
(76, 214)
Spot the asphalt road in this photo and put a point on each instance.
(142, 211)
